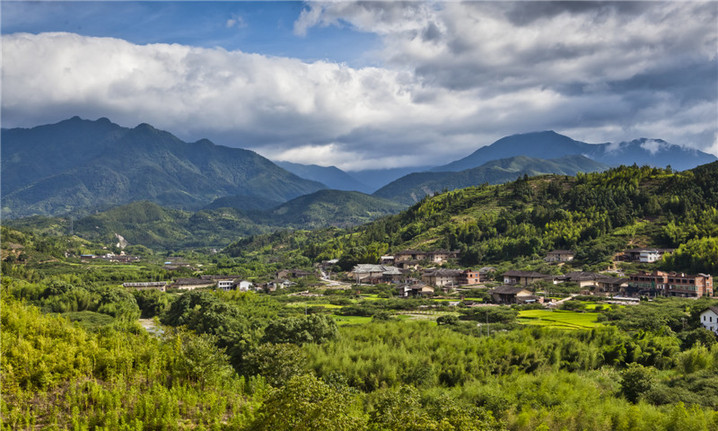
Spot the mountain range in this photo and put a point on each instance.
(77, 167)
(550, 145)
(88, 165)
(413, 187)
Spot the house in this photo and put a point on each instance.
(660, 283)
(524, 278)
(370, 273)
(278, 284)
(485, 273)
(608, 284)
(513, 295)
(386, 260)
(442, 277)
(709, 319)
(191, 283)
(244, 285)
(293, 273)
(407, 290)
(644, 255)
(438, 256)
(159, 285)
(559, 256)
(469, 277)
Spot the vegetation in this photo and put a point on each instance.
(73, 355)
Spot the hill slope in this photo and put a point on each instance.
(149, 224)
(412, 188)
(331, 176)
(331, 208)
(85, 165)
(550, 145)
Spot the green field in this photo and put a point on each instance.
(352, 320)
(559, 319)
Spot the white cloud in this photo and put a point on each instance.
(455, 77)
(236, 21)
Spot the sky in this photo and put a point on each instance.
(368, 85)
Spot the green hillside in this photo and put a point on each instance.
(331, 208)
(413, 187)
(154, 226)
(595, 214)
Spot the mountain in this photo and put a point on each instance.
(86, 165)
(331, 208)
(331, 176)
(149, 224)
(551, 145)
(414, 187)
(377, 178)
(146, 223)
(244, 203)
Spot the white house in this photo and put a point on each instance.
(709, 319)
(225, 284)
(244, 285)
(649, 256)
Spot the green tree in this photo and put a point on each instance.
(635, 381)
(306, 403)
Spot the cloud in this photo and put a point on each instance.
(235, 22)
(451, 77)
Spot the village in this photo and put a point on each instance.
(424, 274)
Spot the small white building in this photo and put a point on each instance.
(225, 284)
(649, 256)
(244, 286)
(709, 319)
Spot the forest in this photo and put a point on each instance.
(80, 351)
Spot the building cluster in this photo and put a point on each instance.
(111, 257)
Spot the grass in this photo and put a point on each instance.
(559, 319)
(352, 320)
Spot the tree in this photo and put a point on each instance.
(306, 403)
(314, 328)
(276, 362)
(635, 381)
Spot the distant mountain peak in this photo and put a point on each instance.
(550, 145)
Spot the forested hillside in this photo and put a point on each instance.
(595, 214)
(414, 187)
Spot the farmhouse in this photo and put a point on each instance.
(644, 255)
(159, 285)
(559, 256)
(438, 256)
(469, 277)
(513, 295)
(191, 283)
(369, 273)
(709, 319)
(442, 277)
(524, 278)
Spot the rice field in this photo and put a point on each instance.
(559, 319)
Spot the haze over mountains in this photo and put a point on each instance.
(80, 166)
